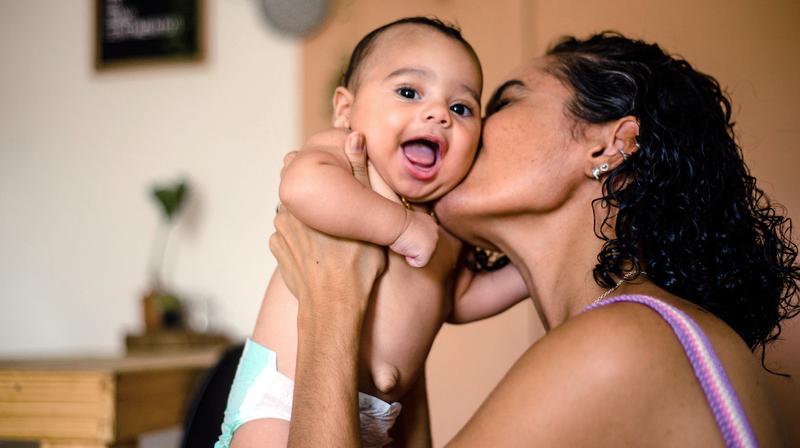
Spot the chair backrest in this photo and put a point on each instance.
(203, 421)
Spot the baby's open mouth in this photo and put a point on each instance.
(422, 152)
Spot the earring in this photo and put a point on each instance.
(623, 154)
(599, 171)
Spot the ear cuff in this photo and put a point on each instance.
(599, 170)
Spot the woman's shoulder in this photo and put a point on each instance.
(620, 366)
(636, 342)
(634, 330)
(630, 345)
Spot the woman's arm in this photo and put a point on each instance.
(332, 279)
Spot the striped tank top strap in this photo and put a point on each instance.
(707, 367)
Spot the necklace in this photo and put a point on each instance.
(407, 205)
(628, 276)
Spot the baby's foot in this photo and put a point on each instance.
(385, 377)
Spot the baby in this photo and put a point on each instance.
(412, 89)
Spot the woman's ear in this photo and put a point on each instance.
(617, 144)
(626, 131)
(342, 104)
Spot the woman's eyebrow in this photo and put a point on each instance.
(507, 85)
(492, 104)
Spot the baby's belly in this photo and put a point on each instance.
(406, 312)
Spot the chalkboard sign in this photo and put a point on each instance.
(135, 31)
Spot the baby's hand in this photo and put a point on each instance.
(417, 241)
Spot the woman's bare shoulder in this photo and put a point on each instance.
(617, 367)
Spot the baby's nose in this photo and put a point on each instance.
(438, 114)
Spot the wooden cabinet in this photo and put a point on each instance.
(97, 402)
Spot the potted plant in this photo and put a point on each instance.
(162, 308)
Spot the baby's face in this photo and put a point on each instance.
(418, 104)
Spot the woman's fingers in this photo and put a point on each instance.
(287, 160)
(311, 262)
(289, 245)
(287, 264)
(355, 148)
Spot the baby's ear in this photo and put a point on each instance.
(342, 104)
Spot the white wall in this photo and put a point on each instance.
(79, 151)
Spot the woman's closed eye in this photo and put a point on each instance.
(408, 93)
(501, 98)
(496, 104)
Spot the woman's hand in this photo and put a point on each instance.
(317, 267)
(332, 278)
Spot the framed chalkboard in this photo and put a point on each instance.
(130, 32)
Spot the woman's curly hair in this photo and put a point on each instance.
(684, 209)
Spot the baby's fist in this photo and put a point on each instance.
(417, 241)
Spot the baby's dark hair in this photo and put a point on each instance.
(365, 45)
(684, 208)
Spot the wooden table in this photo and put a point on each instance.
(96, 402)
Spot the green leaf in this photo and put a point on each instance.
(171, 198)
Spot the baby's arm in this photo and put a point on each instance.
(485, 294)
(318, 187)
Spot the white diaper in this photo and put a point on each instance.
(260, 391)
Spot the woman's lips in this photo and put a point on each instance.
(423, 156)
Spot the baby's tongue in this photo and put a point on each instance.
(419, 153)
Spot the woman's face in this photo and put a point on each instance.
(528, 164)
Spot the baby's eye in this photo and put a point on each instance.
(408, 92)
(461, 109)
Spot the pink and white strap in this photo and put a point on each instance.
(721, 396)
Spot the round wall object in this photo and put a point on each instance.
(295, 17)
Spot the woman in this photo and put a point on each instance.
(610, 176)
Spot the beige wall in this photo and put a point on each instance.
(751, 47)
(79, 151)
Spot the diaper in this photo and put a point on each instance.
(260, 391)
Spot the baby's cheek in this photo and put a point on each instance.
(470, 141)
(454, 174)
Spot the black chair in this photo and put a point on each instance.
(203, 420)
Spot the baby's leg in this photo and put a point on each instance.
(262, 433)
(276, 329)
(276, 326)
(401, 324)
